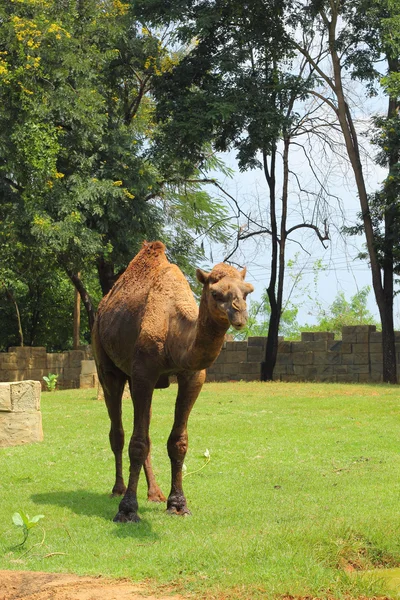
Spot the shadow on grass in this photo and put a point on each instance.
(91, 504)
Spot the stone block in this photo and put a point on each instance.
(252, 368)
(240, 346)
(75, 357)
(347, 378)
(375, 377)
(68, 384)
(318, 346)
(299, 370)
(358, 369)
(214, 369)
(326, 371)
(88, 381)
(377, 367)
(21, 351)
(330, 358)
(358, 328)
(25, 396)
(230, 345)
(88, 367)
(11, 375)
(37, 374)
(38, 351)
(349, 338)
(364, 377)
(257, 341)
(279, 369)
(37, 362)
(5, 397)
(361, 348)
(340, 369)
(361, 358)
(58, 359)
(8, 360)
(311, 373)
(375, 337)
(327, 336)
(284, 347)
(299, 347)
(255, 354)
(362, 338)
(347, 359)
(307, 336)
(236, 357)
(231, 369)
(303, 358)
(221, 357)
(20, 428)
(346, 348)
(72, 373)
(284, 359)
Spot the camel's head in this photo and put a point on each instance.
(225, 292)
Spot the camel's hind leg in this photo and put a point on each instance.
(113, 383)
(190, 385)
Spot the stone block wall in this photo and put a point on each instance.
(356, 358)
(20, 416)
(23, 363)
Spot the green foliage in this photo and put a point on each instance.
(51, 381)
(342, 313)
(22, 519)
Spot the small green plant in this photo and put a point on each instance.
(21, 519)
(51, 381)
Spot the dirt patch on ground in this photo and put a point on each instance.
(28, 585)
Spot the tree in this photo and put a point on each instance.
(351, 37)
(77, 122)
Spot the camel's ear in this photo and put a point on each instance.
(243, 273)
(202, 276)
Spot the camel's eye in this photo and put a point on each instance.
(216, 295)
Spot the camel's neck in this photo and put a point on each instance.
(207, 340)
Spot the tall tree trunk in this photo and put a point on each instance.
(107, 276)
(77, 318)
(86, 299)
(383, 290)
(12, 299)
(271, 349)
(275, 290)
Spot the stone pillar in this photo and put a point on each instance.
(20, 416)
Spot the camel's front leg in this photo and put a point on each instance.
(142, 388)
(189, 388)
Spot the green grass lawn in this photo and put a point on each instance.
(302, 493)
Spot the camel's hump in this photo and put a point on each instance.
(150, 256)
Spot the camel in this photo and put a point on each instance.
(147, 328)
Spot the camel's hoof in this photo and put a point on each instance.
(182, 512)
(156, 496)
(130, 517)
(118, 490)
